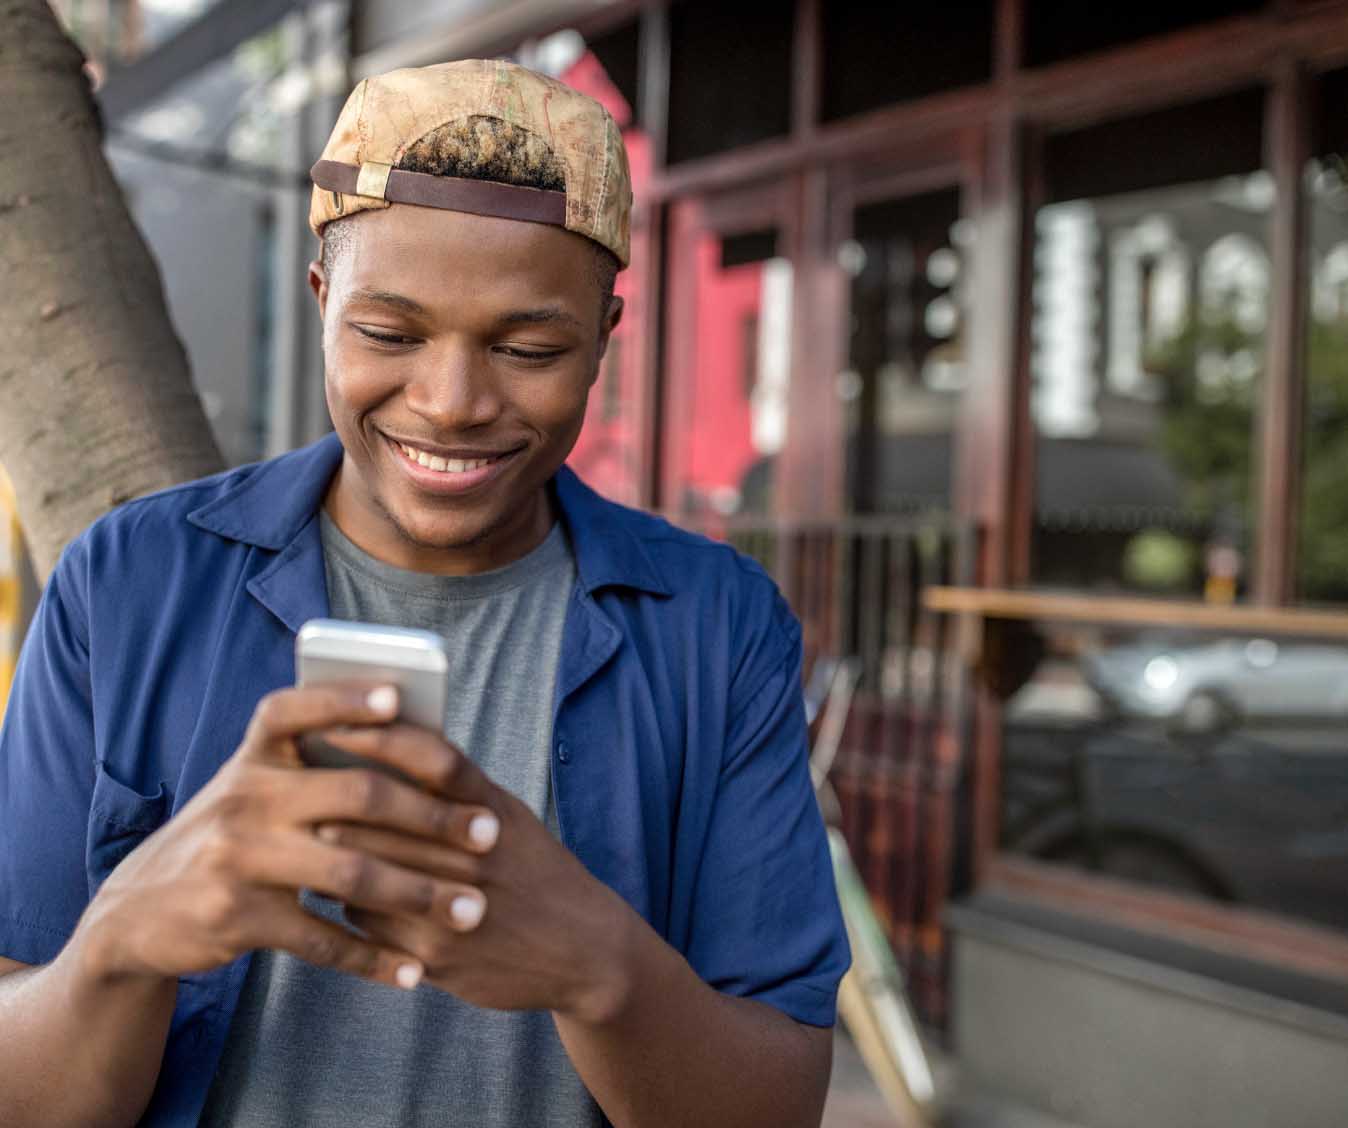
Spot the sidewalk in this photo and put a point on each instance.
(855, 1102)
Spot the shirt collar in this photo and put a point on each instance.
(270, 506)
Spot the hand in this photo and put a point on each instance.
(553, 937)
(222, 877)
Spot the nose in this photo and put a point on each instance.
(456, 392)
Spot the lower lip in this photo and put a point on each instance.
(444, 482)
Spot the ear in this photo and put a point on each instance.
(610, 323)
(318, 283)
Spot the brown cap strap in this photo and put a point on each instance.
(479, 197)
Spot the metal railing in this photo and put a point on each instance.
(856, 585)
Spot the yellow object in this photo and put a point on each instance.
(873, 1004)
(10, 551)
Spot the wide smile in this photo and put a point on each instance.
(440, 474)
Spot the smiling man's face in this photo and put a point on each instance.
(459, 353)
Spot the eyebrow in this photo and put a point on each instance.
(540, 316)
(400, 302)
(404, 304)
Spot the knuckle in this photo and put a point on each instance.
(445, 772)
(439, 951)
(420, 897)
(365, 791)
(269, 710)
(349, 875)
(359, 959)
(437, 817)
(322, 947)
(220, 850)
(220, 902)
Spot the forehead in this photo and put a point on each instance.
(462, 254)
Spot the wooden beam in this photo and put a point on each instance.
(1223, 928)
(808, 69)
(1282, 398)
(1131, 79)
(1004, 603)
(653, 83)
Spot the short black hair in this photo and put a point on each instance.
(483, 148)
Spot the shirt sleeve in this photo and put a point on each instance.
(47, 776)
(766, 921)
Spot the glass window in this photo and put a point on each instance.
(858, 48)
(729, 78)
(907, 260)
(1059, 29)
(1147, 354)
(1322, 554)
(732, 418)
(1208, 764)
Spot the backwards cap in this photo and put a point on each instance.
(389, 113)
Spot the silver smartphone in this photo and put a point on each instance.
(416, 662)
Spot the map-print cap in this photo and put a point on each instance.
(483, 122)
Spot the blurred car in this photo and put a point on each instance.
(1209, 686)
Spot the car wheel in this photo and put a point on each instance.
(1204, 712)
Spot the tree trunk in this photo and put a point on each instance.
(96, 401)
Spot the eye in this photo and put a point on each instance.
(391, 340)
(529, 356)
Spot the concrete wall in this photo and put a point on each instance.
(1109, 1040)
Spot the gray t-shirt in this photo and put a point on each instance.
(310, 1046)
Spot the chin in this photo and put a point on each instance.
(439, 535)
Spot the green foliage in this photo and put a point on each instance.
(1323, 542)
(1211, 371)
(1160, 561)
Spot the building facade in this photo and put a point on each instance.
(1012, 335)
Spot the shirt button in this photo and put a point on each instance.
(563, 752)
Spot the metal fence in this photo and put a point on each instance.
(856, 584)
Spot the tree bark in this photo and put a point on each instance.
(96, 400)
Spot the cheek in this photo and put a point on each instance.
(556, 407)
(353, 387)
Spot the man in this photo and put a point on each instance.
(610, 894)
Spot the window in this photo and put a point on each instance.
(729, 78)
(725, 436)
(943, 46)
(1150, 303)
(1207, 764)
(1059, 29)
(906, 370)
(1322, 551)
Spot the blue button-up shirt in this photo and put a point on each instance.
(679, 755)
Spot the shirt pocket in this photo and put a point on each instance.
(120, 818)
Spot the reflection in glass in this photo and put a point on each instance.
(1148, 340)
(906, 361)
(1208, 764)
(736, 422)
(1322, 557)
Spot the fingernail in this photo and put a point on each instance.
(466, 911)
(483, 831)
(409, 975)
(329, 833)
(383, 700)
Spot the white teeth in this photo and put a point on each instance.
(443, 465)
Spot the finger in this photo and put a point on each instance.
(355, 878)
(419, 854)
(437, 948)
(329, 945)
(287, 713)
(370, 797)
(421, 754)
